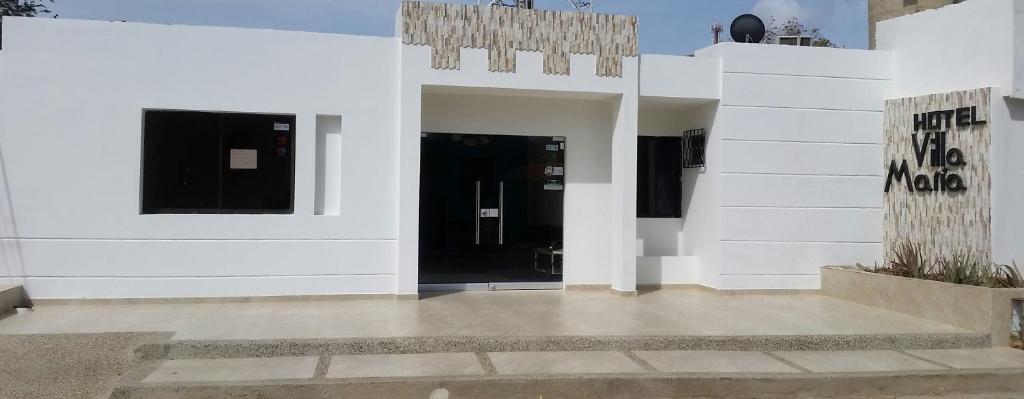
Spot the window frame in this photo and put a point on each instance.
(653, 193)
(220, 210)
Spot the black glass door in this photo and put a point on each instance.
(491, 209)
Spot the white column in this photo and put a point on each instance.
(624, 164)
(410, 99)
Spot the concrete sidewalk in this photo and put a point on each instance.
(681, 374)
(672, 343)
(661, 313)
(581, 363)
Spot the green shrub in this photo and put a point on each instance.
(962, 267)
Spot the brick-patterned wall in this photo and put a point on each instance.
(447, 28)
(942, 222)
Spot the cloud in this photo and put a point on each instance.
(809, 12)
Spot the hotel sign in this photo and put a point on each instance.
(936, 163)
(930, 143)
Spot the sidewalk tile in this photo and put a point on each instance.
(421, 365)
(993, 358)
(714, 362)
(541, 363)
(213, 370)
(856, 361)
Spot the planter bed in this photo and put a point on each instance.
(980, 309)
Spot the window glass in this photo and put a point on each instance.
(208, 162)
(659, 169)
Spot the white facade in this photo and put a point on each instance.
(793, 181)
(77, 229)
(981, 46)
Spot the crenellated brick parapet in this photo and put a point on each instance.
(447, 28)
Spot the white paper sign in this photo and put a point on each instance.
(279, 127)
(553, 186)
(554, 171)
(243, 159)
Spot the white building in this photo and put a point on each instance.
(152, 161)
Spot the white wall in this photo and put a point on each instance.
(1007, 179)
(659, 236)
(1018, 52)
(794, 175)
(669, 76)
(70, 134)
(980, 44)
(587, 126)
(958, 47)
(11, 267)
(473, 78)
(661, 116)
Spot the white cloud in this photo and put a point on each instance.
(809, 12)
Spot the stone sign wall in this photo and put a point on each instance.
(937, 184)
(447, 28)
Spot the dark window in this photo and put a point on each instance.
(209, 162)
(659, 168)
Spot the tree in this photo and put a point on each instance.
(22, 8)
(794, 27)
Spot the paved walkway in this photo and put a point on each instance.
(669, 312)
(555, 344)
(592, 374)
(581, 363)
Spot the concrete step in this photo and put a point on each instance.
(618, 374)
(198, 349)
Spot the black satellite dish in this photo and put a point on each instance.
(747, 28)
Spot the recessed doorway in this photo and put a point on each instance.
(491, 212)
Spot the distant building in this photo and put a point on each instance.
(881, 10)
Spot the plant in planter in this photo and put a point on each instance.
(961, 267)
(961, 289)
(910, 260)
(1007, 276)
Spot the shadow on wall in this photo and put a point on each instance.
(1016, 108)
(10, 247)
(691, 176)
(586, 123)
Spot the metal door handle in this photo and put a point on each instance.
(477, 240)
(501, 213)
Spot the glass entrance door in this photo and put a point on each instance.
(491, 211)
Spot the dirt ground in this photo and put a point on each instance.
(67, 365)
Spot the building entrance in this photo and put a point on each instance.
(491, 212)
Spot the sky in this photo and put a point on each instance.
(666, 26)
